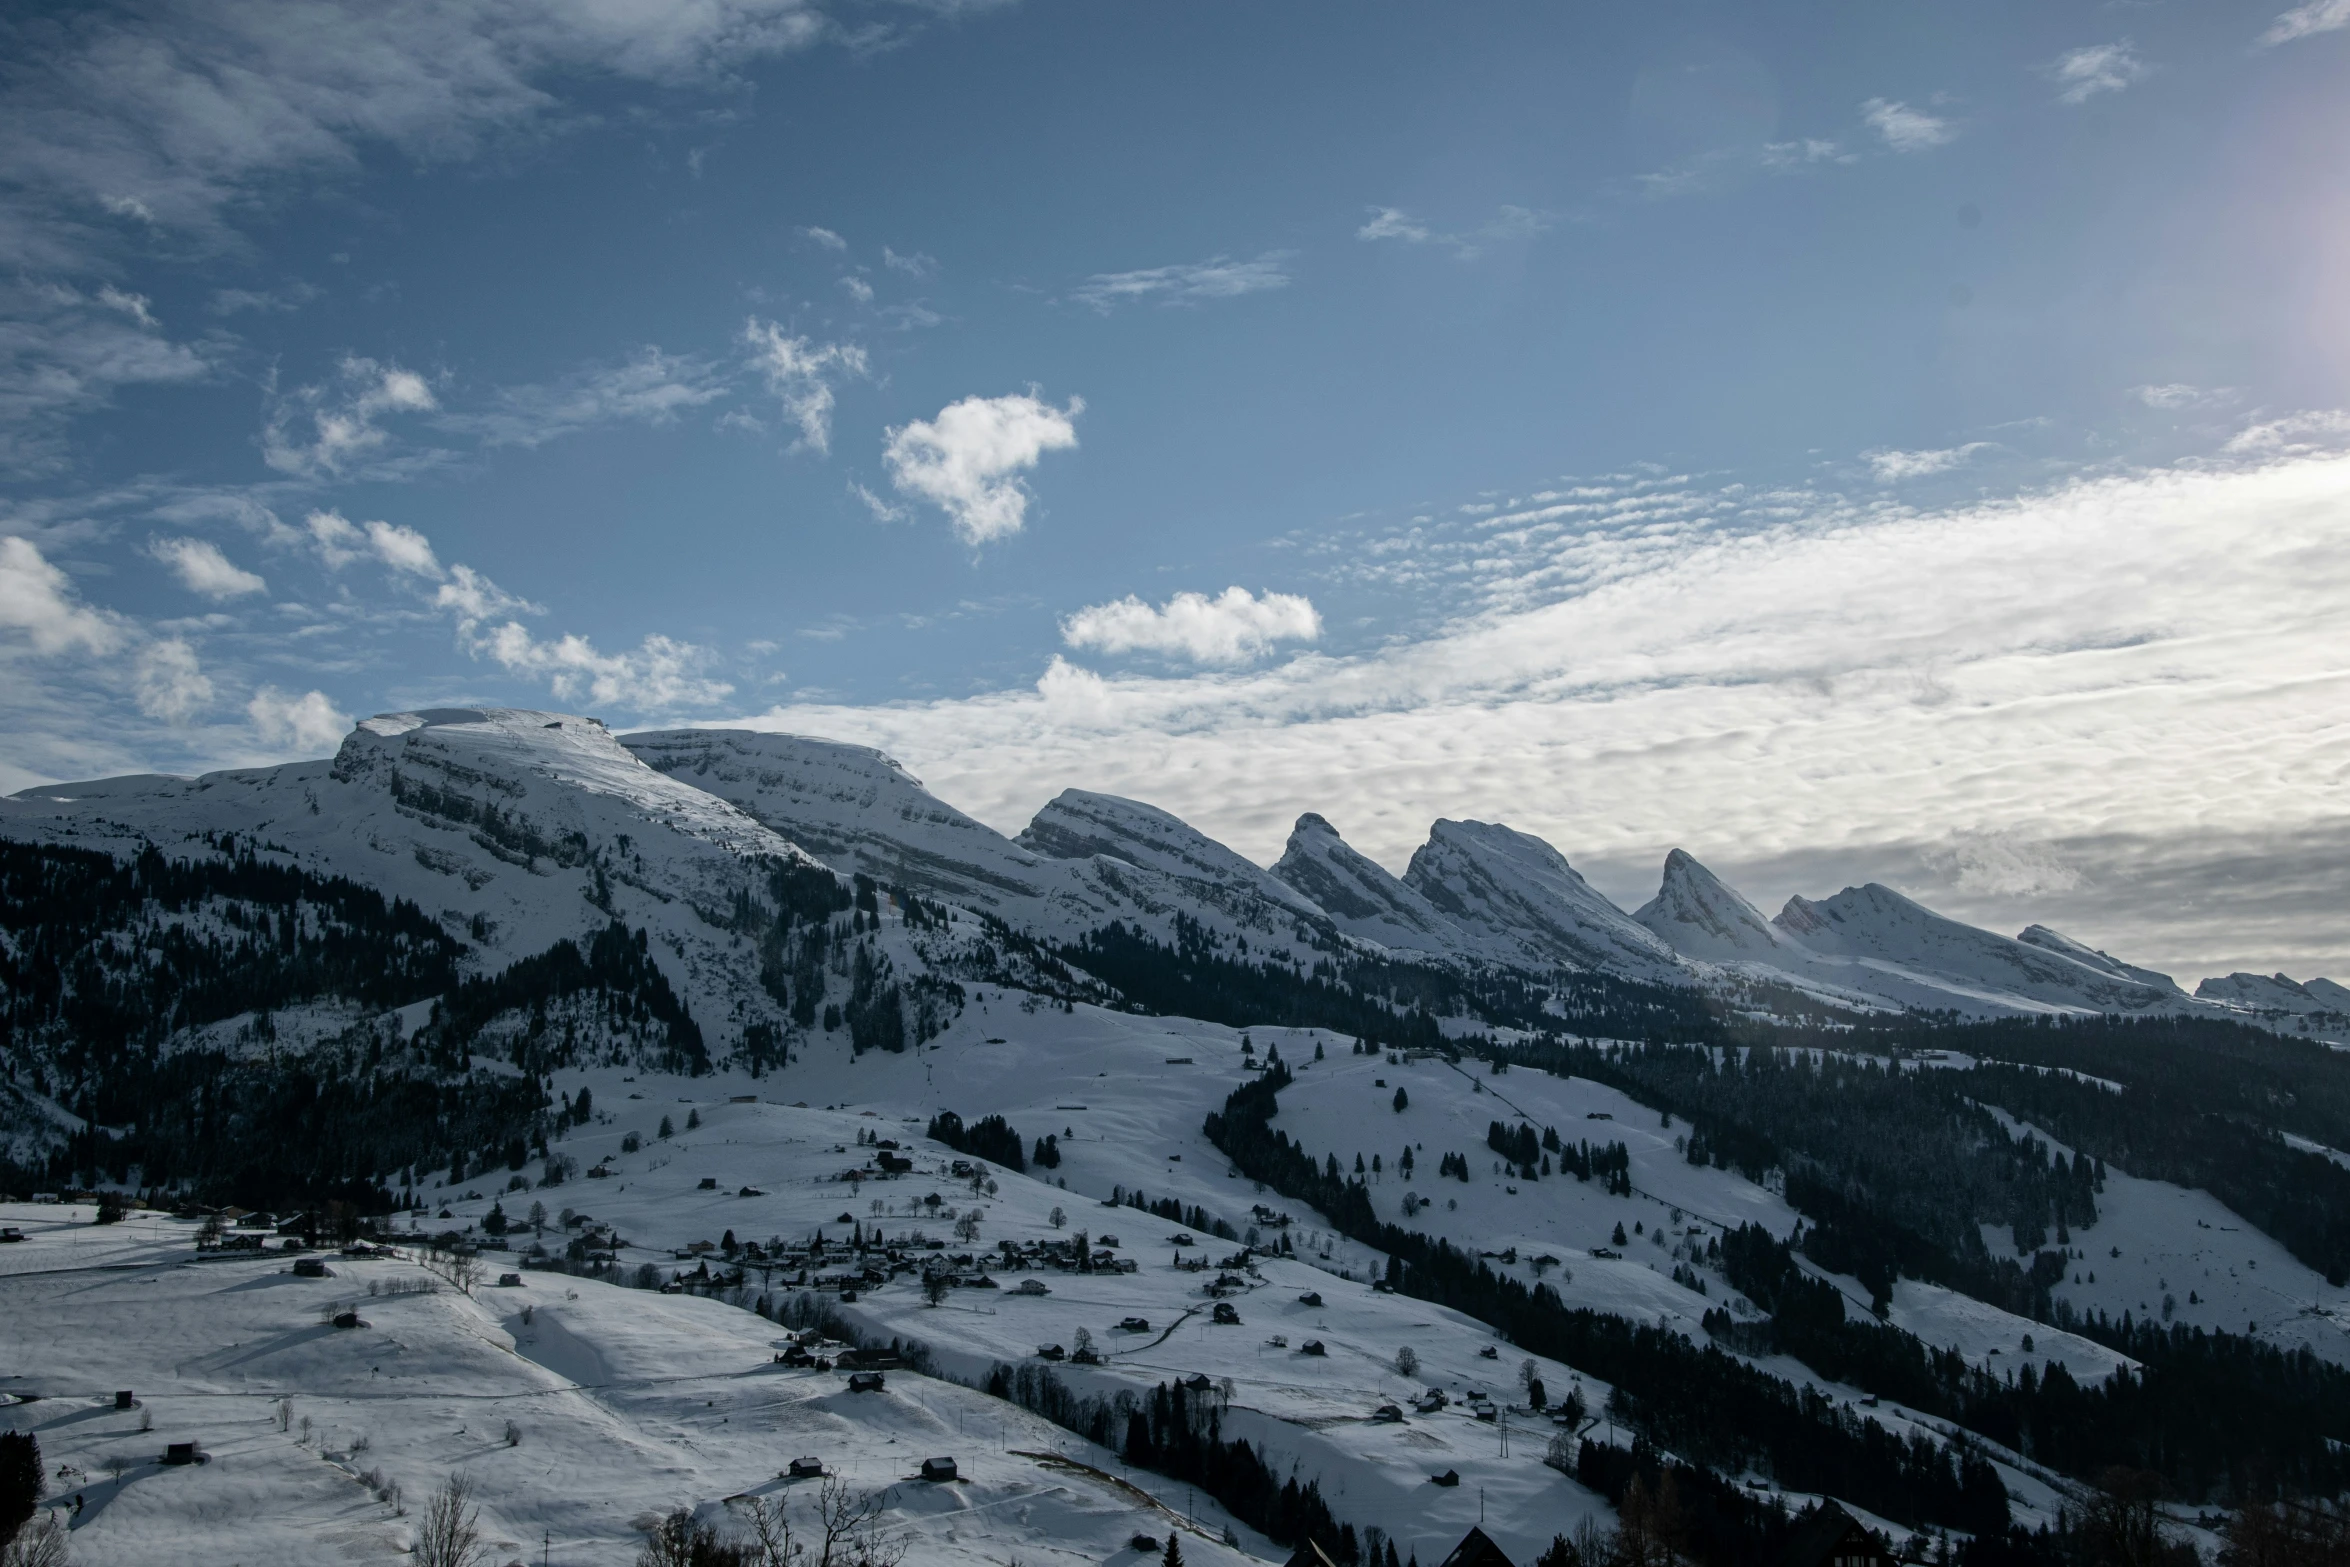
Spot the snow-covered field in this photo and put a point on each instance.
(577, 1426)
(627, 1402)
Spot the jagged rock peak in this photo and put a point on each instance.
(1700, 915)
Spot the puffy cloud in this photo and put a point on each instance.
(825, 237)
(305, 725)
(1903, 128)
(203, 569)
(169, 683)
(800, 374)
(403, 549)
(2307, 21)
(915, 265)
(323, 429)
(1218, 277)
(1231, 628)
(968, 460)
(38, 601)
(2081, 74)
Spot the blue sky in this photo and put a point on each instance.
(1850, 441)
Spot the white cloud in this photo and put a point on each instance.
(652, 388)
(305, 725)
(1903, 128)
(915, 265)
(968, 460)
(800, 374)
(2178, 394)
(858, 289)
(1231, 628)
(169, 683)
(1218, 277)
(2081, 74)
(474, 597)
(403, 549)
(1891, 467)
(1508, 222)
(37, 600)
(203, 569)
(342, 419)
(825, 237)
(661, 676)
(882, 510)
(1394, 223)
(2306, 21)
(2293, 435)
(339, 541)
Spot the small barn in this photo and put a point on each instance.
(865, 1381)
(807, 1468)
(938, 1469)
(1832, 1537)
(1478, 1550)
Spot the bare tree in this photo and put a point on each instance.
(771, 1541)
(450, 1535)
(42, 1544)
(1407, 1362)
(852, 1528)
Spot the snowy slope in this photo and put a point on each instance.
(1879, 931)
(623, 1404)
(1515, 891)
(501, 823)
(858, 810)
(1192, 867)
(2091, 957)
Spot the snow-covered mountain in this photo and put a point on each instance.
(1361, 898)
(1883, 941)
(1870, 946)
(514, 829)
(1512, 890)
(2277, 995)
(859, 811)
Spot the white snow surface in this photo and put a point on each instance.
(625, 1404)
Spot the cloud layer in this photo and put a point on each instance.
(2110, 672)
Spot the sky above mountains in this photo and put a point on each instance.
(1849, 442)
